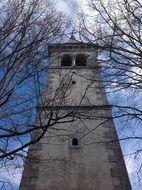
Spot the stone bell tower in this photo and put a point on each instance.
(80, 151)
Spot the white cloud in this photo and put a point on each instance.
(70, 7)
(63, 6)
(11, 177)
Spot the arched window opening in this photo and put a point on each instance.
(75, 142)
(66, 60)
(80, 60)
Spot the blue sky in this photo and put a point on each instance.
(70, 7)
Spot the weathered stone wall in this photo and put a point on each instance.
(96, 163)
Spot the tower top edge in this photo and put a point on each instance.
(79, 44)
(73, 41)
(71, 47)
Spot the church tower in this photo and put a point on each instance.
(80, 151)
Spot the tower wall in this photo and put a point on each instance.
(95, 160)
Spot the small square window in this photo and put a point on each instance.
(73, 82)
(74, 141)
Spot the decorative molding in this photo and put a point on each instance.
(73, 67)
(101, 107)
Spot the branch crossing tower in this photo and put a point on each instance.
(79, 149)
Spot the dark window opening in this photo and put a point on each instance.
(73, 82)
(74, 141)
(66, 60)
(80, 60)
